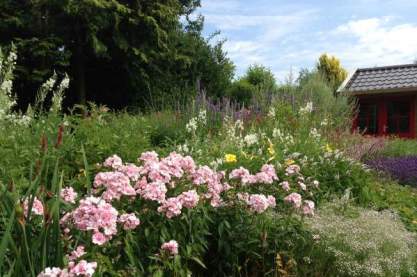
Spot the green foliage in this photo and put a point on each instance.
(53, 150)
(260, 77)
(154, 56)
(332, 71)
(25, 248)
(241, 92)
(399, 148)
(167, 129)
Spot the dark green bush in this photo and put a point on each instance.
(242, 92)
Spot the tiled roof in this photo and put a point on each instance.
(383, 78)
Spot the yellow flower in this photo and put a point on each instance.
(271, 149)
(230, 158)
(289, 162)
(328, 148)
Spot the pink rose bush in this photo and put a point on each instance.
(167, 186)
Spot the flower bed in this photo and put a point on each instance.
(125, 197)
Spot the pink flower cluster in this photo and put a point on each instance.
(37, 207)
(204, 175)
(152, 179)
(69, 195)
(285, 185)
(94, 214)
(129, 221)
(172, 206)
(170, 247)
(306, 206)
(82, 268)
(77, 253)
(157, 174)
(267, 175)
(294, 199)
(116, 183)
(257, 203)
(114, 162)
(292, 170)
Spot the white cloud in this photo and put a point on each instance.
(252, 38)
(220, 6)
(238, 22)
(285, 35)
(376, 41)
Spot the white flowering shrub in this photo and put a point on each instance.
(363, 242)
(8, 99)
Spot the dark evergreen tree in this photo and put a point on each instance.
(117, 52)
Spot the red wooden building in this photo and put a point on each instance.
(387, 98)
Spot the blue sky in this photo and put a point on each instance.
(288, 35)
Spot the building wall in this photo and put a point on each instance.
(415, 116)
(381, 98)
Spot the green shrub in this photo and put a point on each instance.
(242, 92)
(399, 148)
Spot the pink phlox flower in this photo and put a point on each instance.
(156, 172)
(285, 185)
(226, 187)
(292, 170)
(294, 199)
(114, 162)
(94, 214)
(154, 191)
(130, 170)
(117, 184)
(150, 156)
(77, 253)
(174, 164)
(308, 207)
(83, 268)
(259, 203)
(188, 165)
(129, 221)
(99, 238)
(239, 173)
(171, 247)
(269, 170)
(37, 207)
(243, 196)
(204, 175)
(271, 201)
(171, 207)
(245, 177)
(189, 199)
(51, 272)
(216, 201)
(68, 194)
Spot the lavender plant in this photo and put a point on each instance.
(404, 169)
